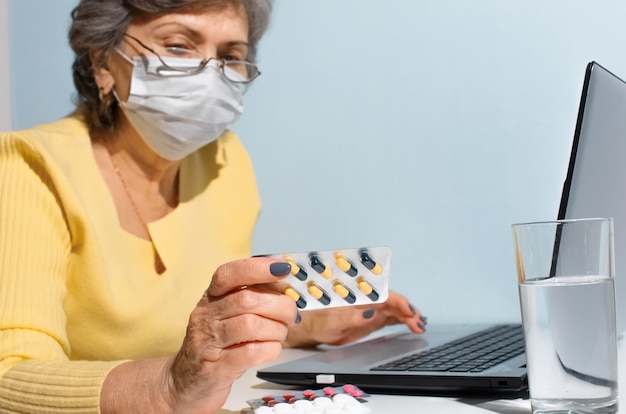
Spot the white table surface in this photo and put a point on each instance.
(249, 387)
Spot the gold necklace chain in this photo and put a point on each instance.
(128, 194)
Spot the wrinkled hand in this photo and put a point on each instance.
(241, 321)
(337, 326)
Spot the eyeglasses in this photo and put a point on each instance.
(236, 71)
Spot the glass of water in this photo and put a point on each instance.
(567, 300)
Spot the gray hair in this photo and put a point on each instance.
(99, 25)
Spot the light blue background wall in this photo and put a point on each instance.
(41, 60)
(428, 126)
(5, 78)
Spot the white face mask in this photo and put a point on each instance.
(178, 113)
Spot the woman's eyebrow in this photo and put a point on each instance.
(236, 43)
(196, 34)
(190, 31)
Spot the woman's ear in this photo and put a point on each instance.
(103, 77)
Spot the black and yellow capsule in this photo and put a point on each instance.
(296, 269)
(367, 289)
(296, 296)
(370, 263)
(346, 265)
(318, 293)
(343, 292)
(320, 267)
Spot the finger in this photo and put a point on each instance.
(255, 300)
(212, 341)
(238, 359)
(246, 272)
(400, 305)
(246, 328)
(392, 314)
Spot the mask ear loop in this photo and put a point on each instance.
(117, 98)
(124, 56)
(106, 99)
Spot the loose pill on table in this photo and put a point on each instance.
(302, 404)
(296, 296)
(346, 265)
(318, 265)
(367, 289)
(282, 408)
(318, 293)
(322, 401)
(344, 399)
(345, 293)
(370, 263)
(296, 269)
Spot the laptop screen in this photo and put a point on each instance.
(595, 185)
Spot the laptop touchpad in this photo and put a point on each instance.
(375, 350)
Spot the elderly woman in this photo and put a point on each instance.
(125, 229)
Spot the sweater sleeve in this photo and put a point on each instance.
(35, 245)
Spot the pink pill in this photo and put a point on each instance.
(328, 391)
(357, 393)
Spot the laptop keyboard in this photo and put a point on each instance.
(473, 353)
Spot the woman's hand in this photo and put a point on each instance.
(240, 322)
(337, 326)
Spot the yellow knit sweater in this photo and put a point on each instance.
(78, 294)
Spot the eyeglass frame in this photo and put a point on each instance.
(203, 64)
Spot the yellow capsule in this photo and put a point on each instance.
(318, 293)
(289, 291)
(370, 263)
(296, 296)
(296, 269)
(345, 293)
(320, 267)
(367, 289)
(346, 265)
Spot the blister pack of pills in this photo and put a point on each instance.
(337, 400)
(332, 278)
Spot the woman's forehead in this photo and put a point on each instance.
(234, 10)
(225, 21)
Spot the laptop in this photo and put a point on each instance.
(595, 185)
(434, 363)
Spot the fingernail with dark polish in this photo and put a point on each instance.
(368, 313)
(298, 318)
(280, 268)
(412, 309)
(421, 326)
(423, 318)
